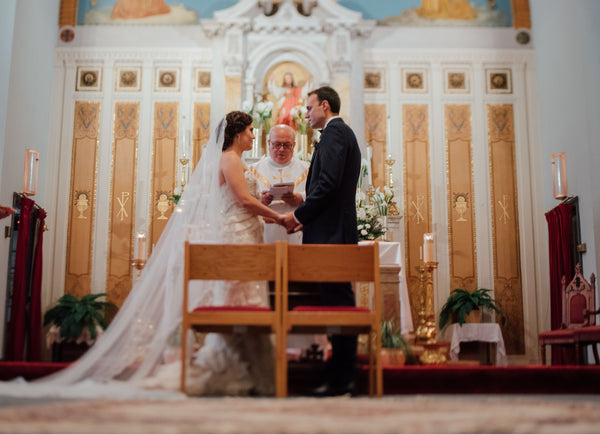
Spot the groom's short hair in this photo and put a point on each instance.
(328, 94)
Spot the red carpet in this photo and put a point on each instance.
(414, 379)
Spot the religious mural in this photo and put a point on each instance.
(483, 13)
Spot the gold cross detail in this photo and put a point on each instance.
(504, 205)
(122, 201)
(281, 176)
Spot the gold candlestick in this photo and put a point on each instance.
(370, 193)
(392, 207)
(139, 265)
(426, 329)
(184, 162)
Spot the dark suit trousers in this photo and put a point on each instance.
(339, 370)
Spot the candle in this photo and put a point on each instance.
(141, 246)
(428, 247)
(421, 253)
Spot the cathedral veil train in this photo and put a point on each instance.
(137, 357)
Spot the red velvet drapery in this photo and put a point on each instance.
(561, 264)
(15, 339)
(34, 349)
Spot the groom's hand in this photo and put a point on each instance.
(290, 223)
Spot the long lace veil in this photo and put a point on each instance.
(146, 325)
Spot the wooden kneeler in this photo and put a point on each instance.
(335, 263)
(241, 262)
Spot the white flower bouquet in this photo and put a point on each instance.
(261, 113)
(369, 222)
(298, 117)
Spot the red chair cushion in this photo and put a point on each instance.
(558, 333)
(232, 308)
(591, 332)
(330, 309)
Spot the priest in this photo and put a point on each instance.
(281, 178)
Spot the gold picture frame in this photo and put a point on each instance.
(128, 79)
(166, 79)
(374, 80)
(89, 79)
(414, 80)
(498, 80)
(457, 80)
(202, 80)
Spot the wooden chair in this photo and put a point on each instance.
(578, 298)
(334, 263)
(241, 262)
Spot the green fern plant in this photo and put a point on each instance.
(461, 302)
(73, 315)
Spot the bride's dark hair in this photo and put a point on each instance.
(236, 123)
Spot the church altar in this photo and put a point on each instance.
(391, 261)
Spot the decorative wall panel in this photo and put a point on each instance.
(201, 130)
(417, 192)
(82, 198)
(233, 92)
(164, 166)
(505, 224)
(376, 137)
(122, 204)
(461, 212)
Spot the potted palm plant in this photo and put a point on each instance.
(394, 348)
(461, 303)
(77, 322)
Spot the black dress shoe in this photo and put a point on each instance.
(327, 389)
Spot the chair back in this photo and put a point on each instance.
(332, 262)
(243, 262)
(578, 297)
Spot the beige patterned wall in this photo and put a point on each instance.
(122, 205)
(505, 224)
(82, 198)
(233, 92)
(201, 130)
(461, 212)
(164, 166)
(376, 137)
(417, 191)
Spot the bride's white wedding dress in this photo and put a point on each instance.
(236, 364)
(137, 356)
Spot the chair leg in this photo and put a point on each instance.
(370, 349)
(183, 355)
(543, 353)
(577, 354)
(280, 354)
(378, 367)
(595, 351)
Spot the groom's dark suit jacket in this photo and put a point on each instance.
(329, 212)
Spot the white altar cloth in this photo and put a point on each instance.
(390, 253)
(483, 332)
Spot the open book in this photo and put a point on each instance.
(278, 190)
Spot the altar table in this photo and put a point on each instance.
(469, 332)
(391, 254)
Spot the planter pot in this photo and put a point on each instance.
(473, 317)
(392, 357)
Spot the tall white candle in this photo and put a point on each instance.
(141, 246)
(428, 247)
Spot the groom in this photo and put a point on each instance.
(328, 216)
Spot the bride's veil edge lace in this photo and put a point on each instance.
(135, 342)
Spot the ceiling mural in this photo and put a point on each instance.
(482, 13)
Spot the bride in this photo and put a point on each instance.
(138, 354)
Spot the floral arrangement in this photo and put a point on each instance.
(298, 117)
(382, 200)
(261, 112)
(369, 222)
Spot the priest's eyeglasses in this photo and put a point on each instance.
(284, 145)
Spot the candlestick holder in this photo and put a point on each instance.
(184, 161)
(426, 329)
(392, 207)
(139, 265)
